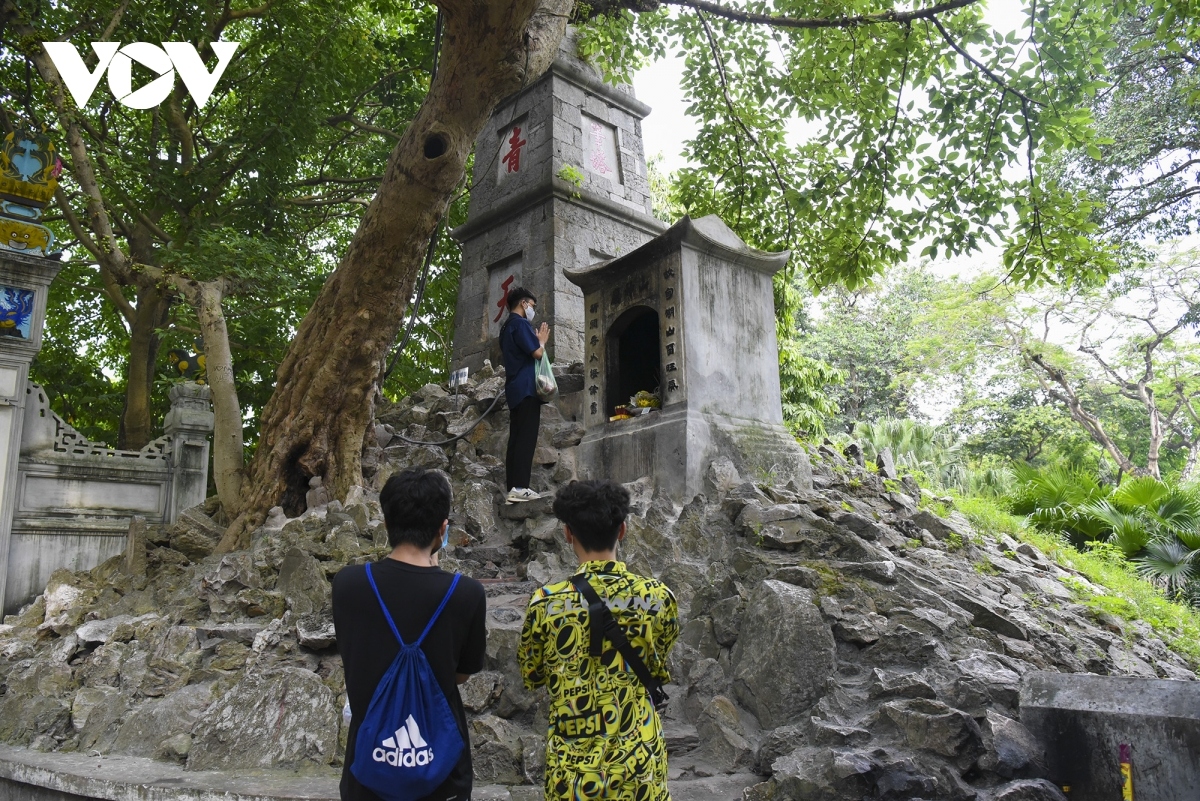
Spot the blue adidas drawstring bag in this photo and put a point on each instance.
(408, 741)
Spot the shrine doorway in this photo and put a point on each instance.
(633, 356)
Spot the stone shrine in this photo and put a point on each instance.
(559, 181)
(690, 317)
(561, 205)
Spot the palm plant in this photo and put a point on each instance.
(917, 447)
(1053, 499)
(1128, 531)
(1174, 566)
(1154, 524)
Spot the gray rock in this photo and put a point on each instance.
(316, 631)
(886, 464)
(800, 576)
(144, 730)
(237, 632)
(1013, 752)
(784, 654)
(282, 718)
(825, 732)
(940, 527)
(302, 582)
(102, 714)
(705, 679)
(722, 476)
(475, 506)
(135, 563)
(431, 457)
(479, 691)
(169, 666)
(722, 735)
(568, 436)
(727, 619)
(1003, 684)
(851, 624)
(99, 631)
(175, 749)
(496, 751)
(987, 615)
(195, 534)
(87, 700)
(542, 507)
(933, 726)
(741, 495)
(780, 742)
(862, 526)
(1027, 790)
(903, 645)
(699, 634)
(1125, 663)
(882, 572)
(821, 773)
(899, 685)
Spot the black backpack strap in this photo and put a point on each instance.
(604, 625)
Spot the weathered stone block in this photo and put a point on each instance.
(282, 718)
(783, 655)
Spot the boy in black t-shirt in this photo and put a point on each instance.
(416, 509)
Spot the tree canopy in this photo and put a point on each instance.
(857, 135)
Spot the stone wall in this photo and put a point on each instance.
(73, 499)
(1082, 721)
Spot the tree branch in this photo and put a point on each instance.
(979, 65)
(321, 180)
(362, 126)
(882, 17)
(115, 21)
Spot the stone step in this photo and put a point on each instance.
(36, 776)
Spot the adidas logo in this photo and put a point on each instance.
(407, 748)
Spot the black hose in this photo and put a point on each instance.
(459, 436)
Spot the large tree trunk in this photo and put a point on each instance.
(137, 423)
(323, 400)
(228, 444)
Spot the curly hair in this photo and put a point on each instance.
(415, 503)
(594, 510)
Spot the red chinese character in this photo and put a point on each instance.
(599, 163)
(503, 302)
(513, 157)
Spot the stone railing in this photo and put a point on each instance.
(73, 497)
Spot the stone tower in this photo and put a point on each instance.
(559, 184)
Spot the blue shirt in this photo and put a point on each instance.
(517, 344)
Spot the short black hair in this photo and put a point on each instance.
(518, 294)
(415, 503)
(594, 510)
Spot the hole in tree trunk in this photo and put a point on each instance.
(435, 145)
(296, 480)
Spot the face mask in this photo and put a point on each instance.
(530, 313)
(446, 538)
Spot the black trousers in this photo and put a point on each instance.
(523, 424)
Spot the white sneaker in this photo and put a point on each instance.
(520, 495)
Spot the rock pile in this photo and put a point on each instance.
(839, 641)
